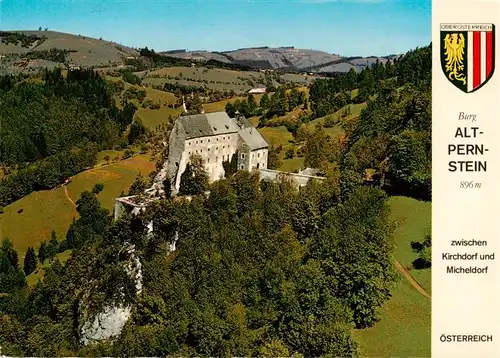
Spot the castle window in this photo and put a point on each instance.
(189, 153)
(223, 146)
(209, 141)
(209, 149)
(208, 160)
(242, 155)
(216, 159)
(242, 167)
(216, 148)
(196, 142)
(201, 141)
(258, 155)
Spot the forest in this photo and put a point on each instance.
(54, 129)
(161, 60)
(260, 268)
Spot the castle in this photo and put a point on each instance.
(215, 137)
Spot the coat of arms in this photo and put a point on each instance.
(468, 54)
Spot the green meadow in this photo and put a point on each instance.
(30, 220)
(413, 222)
(404, 329)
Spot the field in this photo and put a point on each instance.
(406, 317)
(220, 106)
(152, 118)
(292, 165)
(355, 112)
(87, 51)
(115, 177)
(42, 212)
(277, 135)
(414, 221)
(48, 210)
(404, 329)
(216, 79)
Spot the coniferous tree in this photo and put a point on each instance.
(52, 246)
(264, 102)
(293, 98)
(230, 110)
(98, 188)
(43, 252)
(230, 166)
(137, 131)
(139, 185)
(251, 105)
(273, 158)
(194, 180)
(29, 261)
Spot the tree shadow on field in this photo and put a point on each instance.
(423, 250)
(416, 246)
(420, 264)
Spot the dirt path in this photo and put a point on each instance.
(67, 196)
(410, 279)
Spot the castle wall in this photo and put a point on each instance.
(213, 151)
(258, 159)
(243, 155)
(175, 153)
(300, 179)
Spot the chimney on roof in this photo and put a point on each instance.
(238, 119)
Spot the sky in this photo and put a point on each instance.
(345, 27)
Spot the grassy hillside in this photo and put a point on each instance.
(152, 118)
(220, 106)
(407, 316)
(44, 211)
(413, 220)
(31, 219)
(217, 79)
(85, 51)
(115, 177)
(404, 329)
(354, 109)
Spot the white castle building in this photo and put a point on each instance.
(215, 137)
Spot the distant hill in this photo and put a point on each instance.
(287, 58)
(24, 50)
(81, 50)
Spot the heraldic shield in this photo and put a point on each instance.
(468, 54)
